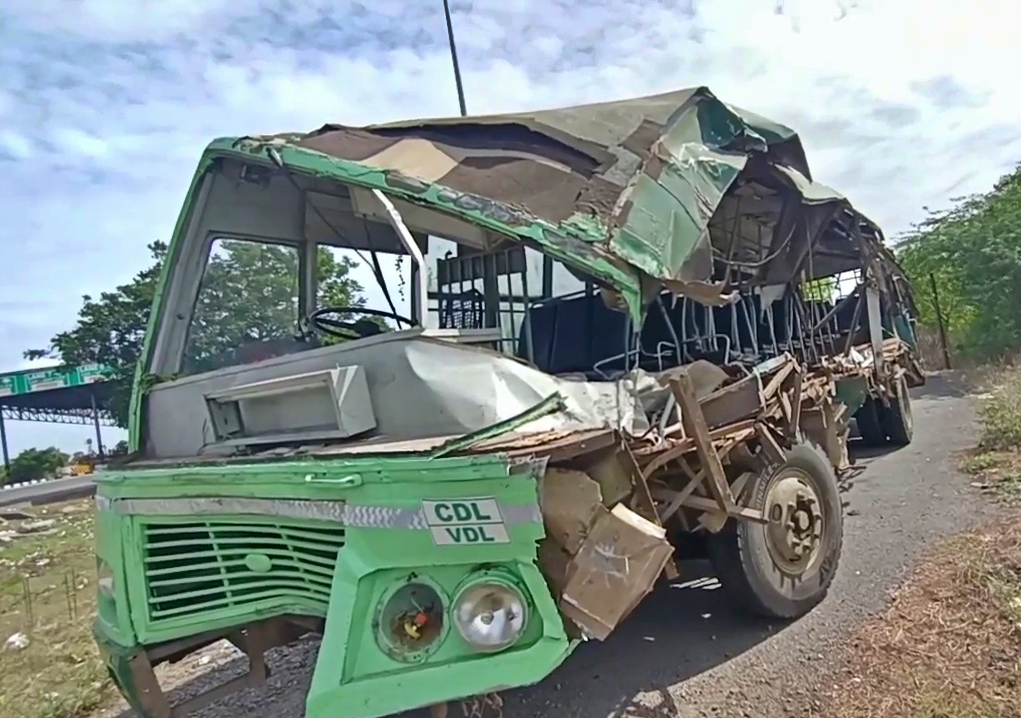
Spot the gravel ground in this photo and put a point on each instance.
(683, 654)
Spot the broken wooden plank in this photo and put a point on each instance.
(770, 445)
(695, 426)
(732, 403)
(778, 379)
(797, 397)
(643, 503)
(687, 445)
(709, 505)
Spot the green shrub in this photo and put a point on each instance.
(1000, 415)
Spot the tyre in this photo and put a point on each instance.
(870, 423)
(896, 419)
(784, 568)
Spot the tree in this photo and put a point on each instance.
(110, 331)
(819, 290)
(973, 250)
(34, 464)
(249, 293)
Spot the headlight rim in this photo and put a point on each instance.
(383, 643)
(106, 581)
(491, 577)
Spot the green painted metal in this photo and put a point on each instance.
(183, 574)
(142, 379)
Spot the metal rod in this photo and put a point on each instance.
(3, 442)
(453, 59)
(99, 434)
(397, 222)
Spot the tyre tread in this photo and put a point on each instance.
(727, 550)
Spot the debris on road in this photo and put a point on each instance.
(36, 526)
(16, 642)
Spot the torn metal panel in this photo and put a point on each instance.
(414, 393)
(621, 191)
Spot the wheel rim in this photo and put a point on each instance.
(794, 533)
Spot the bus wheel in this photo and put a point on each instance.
(896, 419)
(870, 424)
(783, 569)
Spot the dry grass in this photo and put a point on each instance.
(1000, 414)
(995, 463)
(949, 646)
(998, 472)
(47, 593)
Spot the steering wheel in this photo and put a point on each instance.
(321, 321)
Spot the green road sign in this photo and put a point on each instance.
(32, 380)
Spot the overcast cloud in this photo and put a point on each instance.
(105, 105)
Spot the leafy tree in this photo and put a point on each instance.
(249, 293)
(819, 290)
(34, 464)
(973, 250)
(110, 331)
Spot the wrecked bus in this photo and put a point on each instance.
(655, 329)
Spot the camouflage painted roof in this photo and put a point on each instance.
(657, 187)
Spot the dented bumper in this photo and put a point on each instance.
(192, 556)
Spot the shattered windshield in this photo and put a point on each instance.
(249, 305)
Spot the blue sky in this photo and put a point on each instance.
(105, 105)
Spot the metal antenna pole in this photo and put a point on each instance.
(453, 58)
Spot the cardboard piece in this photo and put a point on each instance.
(569, 502)
(613, 477)
(616, 567)
(554, 562)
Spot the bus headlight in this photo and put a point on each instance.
(104, 578)
(490, 615)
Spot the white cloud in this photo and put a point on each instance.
(106, 104)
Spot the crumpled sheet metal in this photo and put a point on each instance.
(623, 190)
(489, 387)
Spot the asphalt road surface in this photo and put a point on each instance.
(48, 492)
(684, 653)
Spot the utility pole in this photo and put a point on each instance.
(453, 58)
(939, 322)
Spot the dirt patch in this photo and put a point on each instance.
(997, 473)
(49, 662)
(949, 645)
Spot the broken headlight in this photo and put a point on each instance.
(490, 614)
(104, 578)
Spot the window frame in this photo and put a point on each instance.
(307, 282)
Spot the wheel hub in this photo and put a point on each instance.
(795, 526)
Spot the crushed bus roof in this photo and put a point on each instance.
(680, 188)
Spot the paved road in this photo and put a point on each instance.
(683, 654)
(48, 492)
